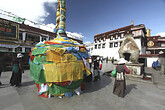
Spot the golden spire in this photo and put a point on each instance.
(96, 33)
(148, 32)
(132, 22)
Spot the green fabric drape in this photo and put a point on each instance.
(57, 90)
(38, 51)
(37, 73)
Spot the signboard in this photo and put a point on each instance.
(8, 30)
(150, 43)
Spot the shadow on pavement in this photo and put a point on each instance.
(4, 85)
(97, 85)
(28, 83)
(129, 88)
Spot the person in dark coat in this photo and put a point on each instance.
(107, 59)
(90, 62)
(97, 67)
(3, 58)
(120, 83)
(17, 71)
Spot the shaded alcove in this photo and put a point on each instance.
(127, 56)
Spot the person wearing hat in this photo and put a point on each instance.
(90, 62)
(17, 71)
(120, 84)
(97, 67)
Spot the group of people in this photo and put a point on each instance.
(119, 84)
(95, 67)
(17, 69)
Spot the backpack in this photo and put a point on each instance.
(120, 76)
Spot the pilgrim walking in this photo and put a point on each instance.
(2, 64)
(97, 67)
(17, 71)
(120, 83)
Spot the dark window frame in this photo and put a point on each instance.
(115, 44)
(110, 45)
(103, 45)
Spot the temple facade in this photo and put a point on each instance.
(155, 47)
(107, 44)
(15, 37)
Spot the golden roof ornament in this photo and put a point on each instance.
(132, 22)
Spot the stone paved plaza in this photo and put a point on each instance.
(97, 96)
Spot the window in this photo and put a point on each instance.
(10, 49)
(111, 45)
(28, 50)
(100, 40)
(159, 44)
(18, 49)
(148, 52)
(157, 51)
(103, 46)
(116, 44)
(32, 38)
(43, 38)
(99, 46)
(37, 39)
(111, 38)
(152, 52)
(122, 35)
(95, 46)
(20, 36)
(116, 37)
(104, 39)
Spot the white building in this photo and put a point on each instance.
(90, 47)
(108, 43)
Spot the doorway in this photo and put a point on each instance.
(127, 56)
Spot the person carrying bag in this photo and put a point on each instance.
(120, 84)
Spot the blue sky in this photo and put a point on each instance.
(88, 17)
(97, 16)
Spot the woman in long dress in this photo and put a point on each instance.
(17, 71)
(120, 84)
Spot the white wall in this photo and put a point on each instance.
(113, 52)
(150, 61)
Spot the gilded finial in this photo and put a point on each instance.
(132, 22)
(148, 32)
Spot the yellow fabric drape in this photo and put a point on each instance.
(53, 56)
(87, 71)
(60, 72)
(68, 58)
(60, 51)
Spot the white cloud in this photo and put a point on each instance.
(33, 10)
(51, 4)
(30, 9)
(162, 34)
(42, 19)
(75, 35)
(48, 27)
(87, 43)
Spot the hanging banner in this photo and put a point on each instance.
(8, 29)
